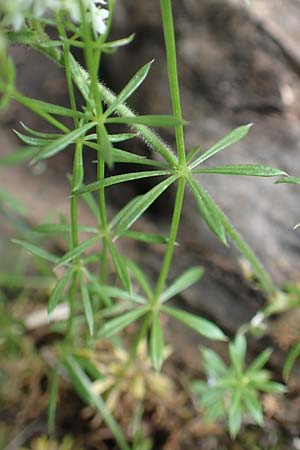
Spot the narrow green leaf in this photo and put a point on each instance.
(156, 342)
(288, 180)
(116, 179)
(38, 133)
(114, 292)
(130, 88)
(52, 400)
(120, 137)
(61, 143)
(83, 385)
(92, 204)
(51, 108)
(249, 170)
(19, 157)
(149, 238)
(52, 228)
(127, 157)
(130, 213)
(87, 365)
(56, 228)
(140, 277)
(202, 326)
(33, 141)
(87, 306)
(290, 361)
(58, 290)
(237, 354)
(150, 121)
(120, 266)
(208, 210)
(235, 414)
(113, 45)
(253, 405)
(240, 347)
(77, 251)
(260, 361)
(78, 170)
(187, 279)
(113, 326)
(37, 251)
(234, 136)
(122, 156)
(12, 202)
(106, 146)
(270, 386)
(117, 310)
(192, 153)
(214, 365)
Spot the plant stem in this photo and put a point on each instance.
(170, 45)
(66, 50)
(93, 57)
(172, 240)
(168, 27)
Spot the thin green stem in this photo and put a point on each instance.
(66, 50)
(172, 240)
(134, 348)
(93, 58)
(168, 27)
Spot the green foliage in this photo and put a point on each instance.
(105, 291)
(232, 391)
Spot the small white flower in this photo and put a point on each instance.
(97, 18)
(14, 12)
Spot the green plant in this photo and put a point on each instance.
(232, 391)
(99, 310)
